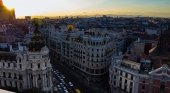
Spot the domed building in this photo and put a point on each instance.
(28, 68)
(5, 13)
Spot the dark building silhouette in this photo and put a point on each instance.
(5, 13)
(161, 54)
(37, 41)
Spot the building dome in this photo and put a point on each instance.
(37, 41)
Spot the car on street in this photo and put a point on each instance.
(70, 84)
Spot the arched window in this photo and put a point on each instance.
(20, 77)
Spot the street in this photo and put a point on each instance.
(70, 76)
(61, 84)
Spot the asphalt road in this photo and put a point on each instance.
(74, 78)
(61, 84)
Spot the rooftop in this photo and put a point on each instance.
(7, 56)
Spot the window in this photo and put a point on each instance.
(120, 72)
(39, 76)
(20, 77)
(4, 74)
(38, 65)
(9, 75)
(8, 64)
(131, 83)
(120, 78)
(131, 77)
(15, 76)
(92, 55)
(15, 65)
(125, 81)
(45, 64)
(143, 87)
(20, 66)
(31, 65)
(114, 77)
(3, 64)
(20, 60)
(126, 75)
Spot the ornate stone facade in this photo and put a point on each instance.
(127, 76)
(26, 70)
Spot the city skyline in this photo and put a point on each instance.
(156, 8)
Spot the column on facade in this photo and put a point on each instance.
(25, 81)
(51, 84)
(13, 82)
(43, 79)
(18, 86)
(136, 84)
(7, 83)
(28, 81)
(2, 83)
(36, 82)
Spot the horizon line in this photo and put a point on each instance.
(90, 15)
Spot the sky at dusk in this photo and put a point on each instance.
(89, 7)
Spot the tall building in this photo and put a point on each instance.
(87, 52)
(5, 13)
(27, 67)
